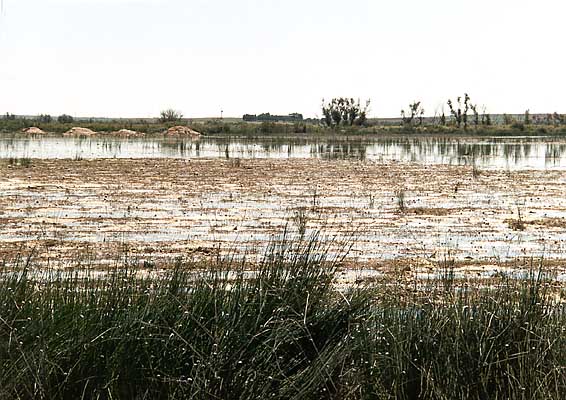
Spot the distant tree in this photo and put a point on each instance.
(170, 115)
(9, 117)
(293, 117)
(527, 119)
(474, 108)
(485, 117)
(415, 111)
(44, 118)
(344, 111)
(507, 119)
(557, 118)
(65, 119)
(443, 119)
(460, 114)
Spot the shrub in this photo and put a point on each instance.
(170, 115)
(65, 119)
(344, 111)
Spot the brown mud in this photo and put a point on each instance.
(158, 209)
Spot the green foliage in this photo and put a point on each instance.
(273, 127)
(293, 117)
(558, 119)
(474, 109)
(216, 128)
(518, 126)
(344, 111)
(459, 112)
(44, 118)
(65, 119)
(415, 111)
(507, 119)
(284, 332)
(170, 115)
(485, 118)
(19, 162)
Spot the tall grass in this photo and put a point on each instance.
(285, 331)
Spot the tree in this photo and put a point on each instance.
(458, 113)
(485, 117)
(344, 111)
(65, 119)
(527, 119)
(44, 118)
(415, 110)
(474, 108)
(170, 115)
(443, 119)
(557, 118)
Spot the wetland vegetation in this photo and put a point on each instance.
(285, 331)
(148, 276)
(340, 116)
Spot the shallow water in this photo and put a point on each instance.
(486, 152)
(169, 205)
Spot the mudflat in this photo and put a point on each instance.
(391, 212)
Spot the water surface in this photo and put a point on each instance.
(486, 152)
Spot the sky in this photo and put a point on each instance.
(134, 58)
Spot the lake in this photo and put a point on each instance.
(518, 152)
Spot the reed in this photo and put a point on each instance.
(230, 329)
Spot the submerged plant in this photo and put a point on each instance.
(300, 218)
(400, 199)
(517, 224)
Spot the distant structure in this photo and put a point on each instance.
(294, 117)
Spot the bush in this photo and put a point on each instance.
(170, 115)
(344, 111)
(65, 119)
(44, 118)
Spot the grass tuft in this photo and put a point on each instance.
(284, 331)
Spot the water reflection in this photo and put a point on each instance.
(502, 152)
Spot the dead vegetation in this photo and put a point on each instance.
(175, 205)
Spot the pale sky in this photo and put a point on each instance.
(133, 58)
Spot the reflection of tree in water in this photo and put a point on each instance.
(180, 148)
(462, 151)
(484, 152)
(516, 152)
(446, 150)
(353, 151)
(339, 150)
(553, 153)
(107, 145)
(10, 143)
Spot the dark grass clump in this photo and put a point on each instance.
(283, 331)
(19, 162)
